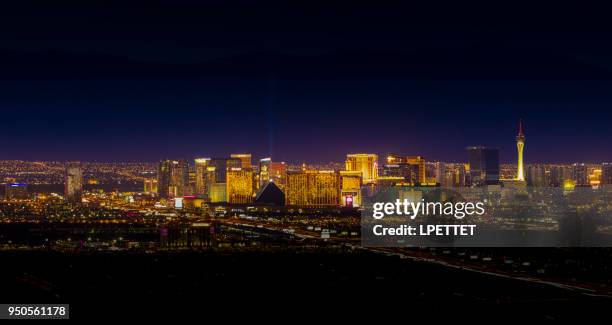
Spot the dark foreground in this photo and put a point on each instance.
(308, 284)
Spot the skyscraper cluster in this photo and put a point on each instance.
(237, 180)
(231, 179)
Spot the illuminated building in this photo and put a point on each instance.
(191, 202)
(388, 181)
(411, 168)
(606, 174)
(394, 159)
(483, 166)
(210, 178)
(16, 191)
(265, 171)
(278, 173)
(218, 193)
(569, 185)
(172, 178)
(399, 170)
(179, 178)
(365, 163)
(189, 188)
(419, 162)
(150, 186)
(595, 177)
(272, 171)
(201, 165)
(350, 188)
(245, 159)
(312, 188)
(73, 182)
(520, 145)
(178, 202)
(163, 178)
(580, 174)
(222, 165)
(239, 185)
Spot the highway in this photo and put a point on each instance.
(585, 289)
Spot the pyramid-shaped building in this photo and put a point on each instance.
(270, 194)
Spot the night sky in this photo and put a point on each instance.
(310, 83)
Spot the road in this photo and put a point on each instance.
(585, 289)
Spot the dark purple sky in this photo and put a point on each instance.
(312, 83)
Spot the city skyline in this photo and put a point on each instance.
(165, 158)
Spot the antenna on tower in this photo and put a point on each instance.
(521, 127)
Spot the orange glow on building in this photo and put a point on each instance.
(350, 191)
(239, 185)
(366, 163)
(313, 188)
(150, 186)
(245, 159)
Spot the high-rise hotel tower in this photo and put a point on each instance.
(520, 144)
(366, 163)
